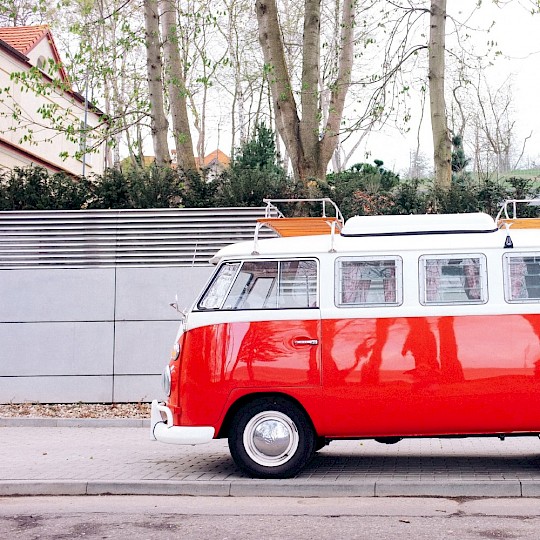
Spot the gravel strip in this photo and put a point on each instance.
(75, 410)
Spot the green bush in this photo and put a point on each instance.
(362, 189)
(150, 187)
(254, 174)
(33, 188)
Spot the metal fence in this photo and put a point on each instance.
(84, 309)
(86, 238)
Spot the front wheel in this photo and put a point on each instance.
(271, 438)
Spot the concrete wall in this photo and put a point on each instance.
(89, 334)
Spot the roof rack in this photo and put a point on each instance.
(508, 215)
(299, 226)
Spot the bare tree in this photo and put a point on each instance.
(309, 144)
(24, 12)
(176, 84)
(442, 147)
(154, 67)
(495, 144)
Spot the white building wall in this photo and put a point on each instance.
(23, 126)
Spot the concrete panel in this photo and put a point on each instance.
(530, 488)
(56, 389)
(137, 388)
(62, 348)
(65, 294)
(143, 347)
(145, 293)
(31, 487)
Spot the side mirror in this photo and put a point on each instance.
(176, 307)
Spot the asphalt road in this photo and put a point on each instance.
(213, 518)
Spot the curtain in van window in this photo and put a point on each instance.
(368, 282)
(356, 280)
(457, 280)
(433, 269)
(471, 282)
(389, 283)
(517, 270)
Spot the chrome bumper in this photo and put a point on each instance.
(163, 430)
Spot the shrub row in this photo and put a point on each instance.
(362, 190)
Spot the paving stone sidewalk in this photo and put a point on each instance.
(36, 459)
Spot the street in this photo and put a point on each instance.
(213, 518)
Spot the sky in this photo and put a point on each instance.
(517, 34)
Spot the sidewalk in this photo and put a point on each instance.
(96, 457)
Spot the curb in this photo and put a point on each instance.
(74, 422)
(275, 488)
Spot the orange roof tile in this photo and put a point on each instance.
(215, 155)
(23, 38)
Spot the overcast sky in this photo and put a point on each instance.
(517, 34)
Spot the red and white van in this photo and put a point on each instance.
(385, 327)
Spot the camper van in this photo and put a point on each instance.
(382, 327)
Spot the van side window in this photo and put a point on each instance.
(219, 288)
(263, 285)
(364, 281)
(459, 280)
(522, 277)
(297, 284)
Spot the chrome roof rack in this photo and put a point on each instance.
(300, 226)
(271, 207)
(508, 215)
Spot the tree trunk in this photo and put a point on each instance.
(309, 93)
(310, 144)
(442, 148)
(177, 89)
(154, 68)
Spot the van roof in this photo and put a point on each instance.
(364, 235)
(418, 224)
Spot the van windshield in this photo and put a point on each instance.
(263, 285)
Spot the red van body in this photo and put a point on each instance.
(401, 326)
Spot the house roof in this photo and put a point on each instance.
(24, 38)
(216, 156)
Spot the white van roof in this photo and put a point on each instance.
(366, 235)
(418, 224)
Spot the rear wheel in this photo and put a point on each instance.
(271, 438)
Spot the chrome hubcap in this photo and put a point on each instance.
(271, 438)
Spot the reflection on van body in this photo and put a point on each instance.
(382, 331)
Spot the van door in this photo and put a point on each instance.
(257, 327)
(366, 388)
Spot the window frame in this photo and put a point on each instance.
(507, 283)
(277, 285)
(483, 276)
(211, 283)
(338, 281)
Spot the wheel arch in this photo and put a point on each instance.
(248, 398)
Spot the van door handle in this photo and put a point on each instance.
(305, 341)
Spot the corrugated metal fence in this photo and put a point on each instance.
(162, 237)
